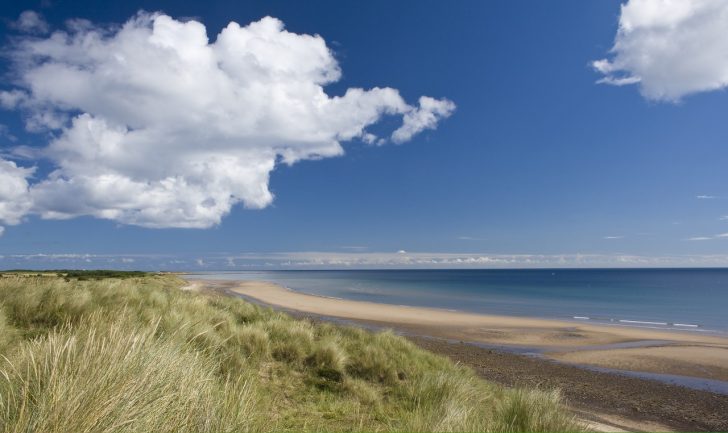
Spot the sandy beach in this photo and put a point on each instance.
(607, 401)
(657, 351)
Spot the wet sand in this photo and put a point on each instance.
(610, 402)
(688, 360)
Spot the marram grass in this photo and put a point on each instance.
(138, 354)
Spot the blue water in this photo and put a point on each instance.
(618, 297)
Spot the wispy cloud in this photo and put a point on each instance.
(355, 260)
(705, 197)
(470, 238)
(613, 237)
(5, 133)
(708, 238)
(30, 22)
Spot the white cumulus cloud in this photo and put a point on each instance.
(14, 196)
(670, 48)
(156, 125)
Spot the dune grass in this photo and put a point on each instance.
(138, 354)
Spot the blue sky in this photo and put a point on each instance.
(537, 158)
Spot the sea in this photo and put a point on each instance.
(691, 300)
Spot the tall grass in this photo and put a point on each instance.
(108, 377)
(137, 354)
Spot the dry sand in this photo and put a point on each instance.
(685, 353)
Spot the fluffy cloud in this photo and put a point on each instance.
(14, 196)
(173, 129)
(30, 22)
(425, 117)
(671, 48)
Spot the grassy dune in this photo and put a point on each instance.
(138, 354)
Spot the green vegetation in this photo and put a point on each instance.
(139, 354)
(100, 274)
(79, 275)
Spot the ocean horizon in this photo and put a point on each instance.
(684, 299)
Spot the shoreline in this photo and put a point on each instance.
(545, 304)
(575, 320)
(656, 351)
(608, 401)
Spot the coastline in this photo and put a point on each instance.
(608, 401)
(614, 347)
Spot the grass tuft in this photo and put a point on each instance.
(521, 410)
